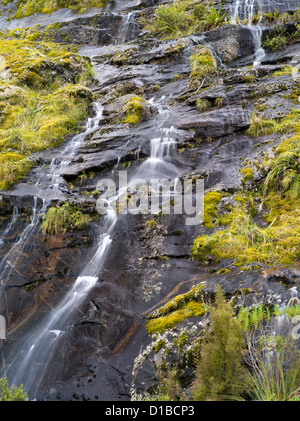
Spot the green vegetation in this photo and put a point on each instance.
(281, 38)
(43, 97)
(238, 237)
(219, 373)
(183, 18)
(201, 63)
(211, 201)
(273, 361)
(245, 242)
(64, 218)
(29, 7)
(13, 166)
(250, 318)
(134, 109)
(177, 310)
(284, 174)
(11, 394)
(240, 358)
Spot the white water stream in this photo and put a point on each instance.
(28, 362)
(246, 10)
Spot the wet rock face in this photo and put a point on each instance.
(217, 123)
(231, 42)
(100, 355)
(281, 5)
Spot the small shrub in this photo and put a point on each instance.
(11, 394)
(219, 373)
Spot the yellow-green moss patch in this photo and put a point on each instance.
(43, 98)
(177, 310)
(29, 7)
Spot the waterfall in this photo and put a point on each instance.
(27, 364)
(246, 10)
(48, 180)
(13, 220)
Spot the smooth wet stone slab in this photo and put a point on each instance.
(217, 123)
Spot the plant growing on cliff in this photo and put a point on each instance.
(29, 7)
(11, 394)
(182, 18)
(177, 310)
(41, 101)
(134, 109)
(219, 373)
(64, 218)
(284, 174)
(274, 365)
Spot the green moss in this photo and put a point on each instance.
(245, 242)
(13, 166)
(202, 104)
(260, 127)
(201, 63)
(191, 309)
(151, 224)
(41, 100)
(64, 218)
(177, 310)
(159, 345)
(29, 7)
(248, 174)
(211, 201)
(288, 124)
(134, 109)
(181, 340)
(224, 270)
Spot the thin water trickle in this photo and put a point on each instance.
(250, 10)
(28, 364)
(50, 180)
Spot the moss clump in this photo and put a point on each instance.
(29, 7)
(284, 174)
(202, 104)
(245, 242)
(43, 98)
(65, 218)
(260, 127)
(201, 63)
(287, 124)
(248, 174)
(211, 201)
(191, 309)
(177, 310)
(13, 166)
(134, 109)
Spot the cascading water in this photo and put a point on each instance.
(28, 363)
(48, 181)
(127, 27)
(247, 10)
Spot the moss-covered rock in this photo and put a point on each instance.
(43, 97)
